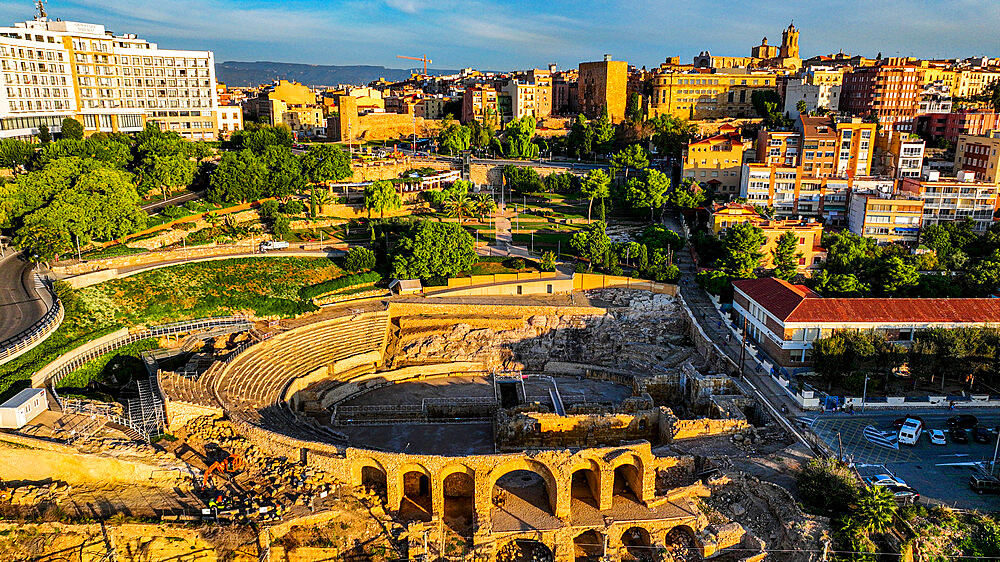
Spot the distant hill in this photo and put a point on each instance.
(235, 73)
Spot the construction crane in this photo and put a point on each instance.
(424, 59)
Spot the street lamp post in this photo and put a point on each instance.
(864, 394)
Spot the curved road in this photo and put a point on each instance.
(20, 304)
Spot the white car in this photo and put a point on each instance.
(936, 436)
(885, 480)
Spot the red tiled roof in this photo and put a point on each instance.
(796, 303)
(779, 297)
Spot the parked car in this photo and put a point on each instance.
(964, 421)
(910, 432)
(272, 245)
(959, 435)
(904, 494)
(898, 423)
(936, 437)
(884, 480)
(981, 434)
(984, 484)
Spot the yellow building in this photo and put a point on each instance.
(707, 95)
(886, 218)
(979, 154)
(716, 161)
(810, 233)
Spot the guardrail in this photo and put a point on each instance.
(12, 348)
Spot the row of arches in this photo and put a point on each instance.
(520, 493)
(633, 544)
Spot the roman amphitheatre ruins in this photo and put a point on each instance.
(535, 426)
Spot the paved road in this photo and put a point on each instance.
(936, 471)
(20, 304)
(154, 207)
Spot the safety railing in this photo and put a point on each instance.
(32, 336)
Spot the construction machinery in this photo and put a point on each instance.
(423, 59)
(229, 465)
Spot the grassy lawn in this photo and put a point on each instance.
(263, 286)
(114, 369)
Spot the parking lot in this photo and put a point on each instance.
(938, 472)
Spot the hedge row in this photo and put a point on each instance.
(312, 291)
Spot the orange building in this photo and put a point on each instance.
(809, 232)
(716, 161)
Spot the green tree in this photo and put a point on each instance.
(648, 190)
(381, 196)
(359, 258)
(984, 277)
(688, 195)
(324, 163)
(633, 111)
(659, 236)
(785, 256)
(523, 179)
(548, 261)
(484, 205)
(433, 249)
(592, 243)
(596, 185)
(239, 177)
(581, 137)
(632, 156)
(848, 253)
(257, 137)
(801, 106)
(71, 129)
(284, 172)
(768, 105)
(741, 247)
(14, 154)
(875, 509)
(896, 277)
(839, 284)
(517, 139)
(671, 134)
(459, 204)
(44, 135)
(827, 486)
(604, 132)
(715, 282)
(453, 137)
(162, 163)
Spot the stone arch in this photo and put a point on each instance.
(628, 476)
(588, 546)
(370, 474)
(457, 506)
(680, 544)
(546, 473)
(585, 483)
(637, 545)
(414, 489)
(524, 550)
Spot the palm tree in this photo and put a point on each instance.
(876, 507)
(459, 204)
(484, 205)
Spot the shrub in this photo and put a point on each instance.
(312, 291)
(280, 226)
(548, 262)
(827, 486)
(580, 267)
(268, 210)
(294, 207)
(359, 259)
(173, 212)
(514, 263)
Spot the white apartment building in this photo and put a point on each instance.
(823, 95)
(230, 119)
(522, 99)
(111, 83)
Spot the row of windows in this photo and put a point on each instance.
(13, 123)
(32, 67)
(38, 105)
(38, 92)
(30, 54)
(32, 80)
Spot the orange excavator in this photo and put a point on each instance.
(231, 465)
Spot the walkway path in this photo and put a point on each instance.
(712, 323)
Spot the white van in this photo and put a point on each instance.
(273, 245)
(910, 432)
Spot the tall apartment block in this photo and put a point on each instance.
(603, 84)
(111, 83)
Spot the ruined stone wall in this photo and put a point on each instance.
(687, 429)
(535, 430)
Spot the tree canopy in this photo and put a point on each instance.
(785, 256)
(741, 250)
(325, 163)
(381, 196)
(517, 139)
(648, 190)
(71, 129)
(596, 185)
(433, 249)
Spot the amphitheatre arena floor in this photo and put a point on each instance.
(465, 437)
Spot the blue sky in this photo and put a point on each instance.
(504, 34)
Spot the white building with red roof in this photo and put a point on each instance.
(785, 319)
